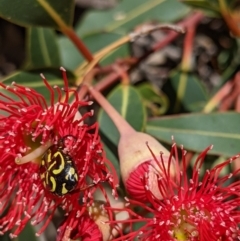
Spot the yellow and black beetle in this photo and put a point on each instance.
(58, 171)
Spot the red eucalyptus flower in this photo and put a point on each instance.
(48, 156)
(191, 209)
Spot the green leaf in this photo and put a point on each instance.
(109, 25)
(197, 131)
(127, 101)
(33, 80)
(42, 48)
(37, 12)
(5, 237)
(190, 92)
(129, 14)
(209, 6)
(28, 233)
(227, 56)
(155, 100)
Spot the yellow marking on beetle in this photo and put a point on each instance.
(64, 190)
(76, 176)
(72, 171)
(49, 156)
(50, 167)
(46, 179)
(43, 163)
(59, 170)
(53, 184)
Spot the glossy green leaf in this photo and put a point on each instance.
(209, 6)
(127, 101)
(37, 12)
(42, 48)
(227, 56)
(129, 14)
(5, 237)
(32, 79)
(28, 233)
(189, 90)
(155, 100)
(100, 28)
(197, 131)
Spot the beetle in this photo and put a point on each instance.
(57, 170)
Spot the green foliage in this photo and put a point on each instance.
(32, 12)
(155, 100)
(32, 79)
(190, 92)
(42, 48)
(209, 6)
(28, 234)
(197, 131)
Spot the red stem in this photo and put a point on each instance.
(122, 125)
(78, 43)
(186, 23)
(109, 79)
(187, 48)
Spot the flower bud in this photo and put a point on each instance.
(138, 154)
(137, 160)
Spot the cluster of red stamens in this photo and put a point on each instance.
(28, 129)
(190, 209)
